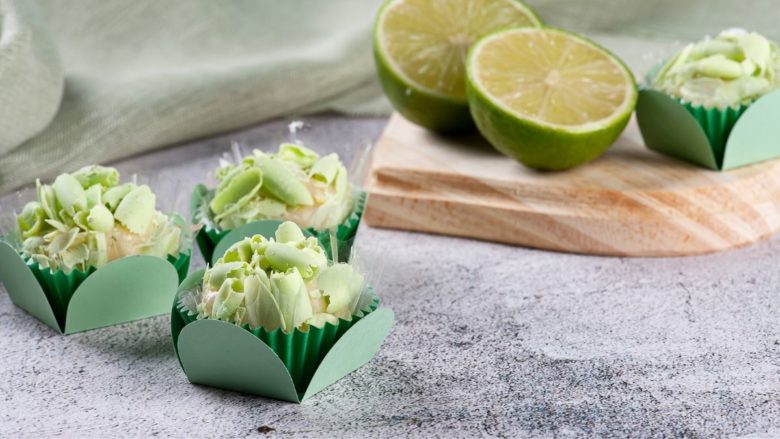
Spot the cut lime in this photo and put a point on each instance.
(420, 47)
(548, 98)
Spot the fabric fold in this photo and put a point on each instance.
(31, 78)
(142, 75)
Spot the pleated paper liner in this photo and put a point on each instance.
(716, 123)
(209, 236)
(59, 287)
(302, 351)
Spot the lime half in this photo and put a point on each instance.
(420, 47)
(548, 98)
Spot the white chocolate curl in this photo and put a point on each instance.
(732, 69)
(293, 184)
(85, 219)
(283, 282)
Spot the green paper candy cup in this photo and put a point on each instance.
(59, 287)
(716, 123)
(209, 236)
(301, 352)
(126, 289)
(712, 138)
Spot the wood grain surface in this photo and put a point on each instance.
(631, 201)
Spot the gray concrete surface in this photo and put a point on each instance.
(490, 340)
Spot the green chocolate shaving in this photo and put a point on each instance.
(99, 249)
(284, 283)
(284, 257)
(32, 219)
(100, 219)
(298, 154)
(72, 223)
(730, 70)
(136, 209)
(46, 199)
(69, 193)
(216, 276)
(326, 168)
(94, 195)
(292, 184)
(281, 183)
(238, 190)
(89, 176)
(114, 195)
(289, 232)
(293, 298)
(228, 301)
(262, 308)
(342, 285)
(267, 208)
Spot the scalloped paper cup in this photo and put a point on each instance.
(709, 137)
(301, 352)
(208, 237)
(127, 289)
(223, 355)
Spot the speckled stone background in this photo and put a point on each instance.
(490, 340)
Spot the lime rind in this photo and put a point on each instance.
(436, 112)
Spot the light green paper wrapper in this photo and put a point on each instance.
(209, 236)
(301, 352)
(59, 287)
(716, 123)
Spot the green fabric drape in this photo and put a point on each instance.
(147, 73)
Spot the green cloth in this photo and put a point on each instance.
(30, 75)
(685, 20)
(86, 81)
(148, 73)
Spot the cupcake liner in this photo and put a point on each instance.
(209, 235)
(716, 123)
(59, 286)
(181, 263)
(301, 351)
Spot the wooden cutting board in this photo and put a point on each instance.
(631, 201)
